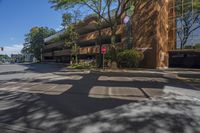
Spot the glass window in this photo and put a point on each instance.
(186, 19)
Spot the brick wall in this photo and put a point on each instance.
(150, 32)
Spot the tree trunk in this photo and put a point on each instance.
(113, 48)
(76, 53)
(100, 46)
(76, 59)
(113, 36)
(100, 63)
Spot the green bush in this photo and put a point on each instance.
(197, 46)
(129, 58)
(188, 47)
(81, 66)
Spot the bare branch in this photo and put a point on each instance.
(96, 12)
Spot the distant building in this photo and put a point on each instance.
(16, 58)
(28, 57)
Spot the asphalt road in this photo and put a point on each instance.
(42, 98)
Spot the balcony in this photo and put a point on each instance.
(82, 51)
(53, 45)
(62, 52)
(48, 54)
(89, 50)
(105, 32)
(86, 37)
(92, 49)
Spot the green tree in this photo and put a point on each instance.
(70, 37)
(69, 18)
(66, 19)
(109, 11)
(4, 57)
(26, 48)
(34, 40)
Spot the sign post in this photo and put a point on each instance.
(103, 51)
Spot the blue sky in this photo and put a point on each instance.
(18, 16)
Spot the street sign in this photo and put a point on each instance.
(103, 50)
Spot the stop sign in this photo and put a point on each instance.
(103, 50)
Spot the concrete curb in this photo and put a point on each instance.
(151, 71)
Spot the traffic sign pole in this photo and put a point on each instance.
(103, 62)
(103, 51)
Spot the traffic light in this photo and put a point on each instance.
(1, 48)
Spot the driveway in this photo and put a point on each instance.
(51, 98)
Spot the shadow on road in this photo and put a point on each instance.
(40, 111)
(76, 111)
(71, 113)
(43, 68)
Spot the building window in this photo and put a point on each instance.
(185, 18)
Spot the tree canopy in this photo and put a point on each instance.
(109, 11)
(4, 57)
(34, 40)
(69, 18)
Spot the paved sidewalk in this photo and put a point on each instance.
(190, 76)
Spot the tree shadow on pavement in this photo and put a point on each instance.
(76, 111)
(43, 112)
(81, 114)
(43, 68)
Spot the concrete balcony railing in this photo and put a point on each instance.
(105, 32)
(89, 50)
(86, 37)
(47, 54)
(83, 50)
(92, 49)
(62, 52)
(53, 45)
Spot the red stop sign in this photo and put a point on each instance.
(103, 50)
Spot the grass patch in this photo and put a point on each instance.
(81, 66)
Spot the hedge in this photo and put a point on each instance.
(129, 58)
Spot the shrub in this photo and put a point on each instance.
(82, 65)
(129, 58)
(197, 46)
(188, 47)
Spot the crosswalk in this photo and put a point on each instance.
(41, 84)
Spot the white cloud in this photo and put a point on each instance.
(13, 49)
